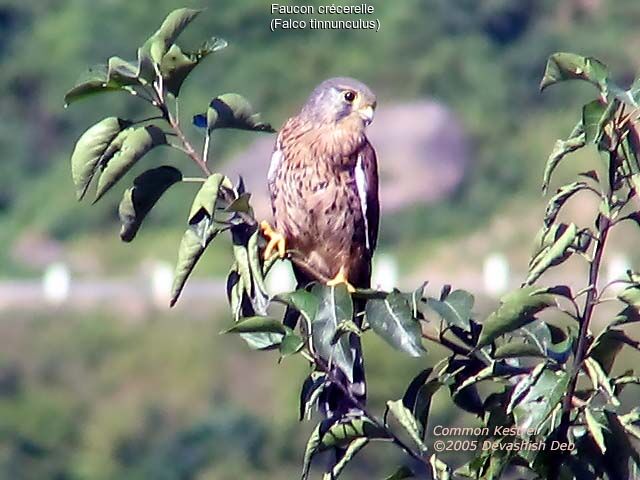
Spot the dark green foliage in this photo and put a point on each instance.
(393, 320)
(231, 111)
(140, 199)
(528, 368)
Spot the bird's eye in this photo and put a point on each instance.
(349, 96)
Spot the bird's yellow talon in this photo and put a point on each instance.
(341, 277)
(276, 241)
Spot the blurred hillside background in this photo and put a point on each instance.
(108, 383)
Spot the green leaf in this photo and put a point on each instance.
(194, 242)
(311, 449)
(558, 200)
(439, 469)
(545, 238)
(117, 75)
(606, 347)
(401, 474)
(600, 379)
(628, 314)
(334, 306)
(304, 302)
(392, 319)
(404, 416)
(593, 119)
(231, 110)
(260, 333)
(136, 144)
(258, 325)
(627, 379)
(95, 80)
(488, 372)
(568, 66)
(619, 446)
(344, 433)
(347, 430)
(138, 200)
(171, 28)
(630, 146)
(311, 390)
(423, 402)
(595, 429)
(262, 340)
(235, 292)
(176, 65)
(475, 468)
(353, 448)
(244, 269)
(523, 385)
(561, 149)
(121, 73)
(207, 196)
(516, 350)
(554, 254)
(414, 299)
(253, 252)
(240, 204)
(455, 309)
(417, 397)
(90, 148)
(346, 327)
(629, 421)
(631, 296)
(411, 394)
(516, 310)
(290, 345)
(541, 399)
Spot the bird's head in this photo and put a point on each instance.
(339, 99)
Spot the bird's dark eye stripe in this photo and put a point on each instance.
(349, 96)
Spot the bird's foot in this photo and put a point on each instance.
(341, 277)
(276, 241)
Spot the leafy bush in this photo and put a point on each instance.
(543, 392)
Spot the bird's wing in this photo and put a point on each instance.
(276, 161)
(367, 182)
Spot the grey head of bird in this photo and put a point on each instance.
(338, 99)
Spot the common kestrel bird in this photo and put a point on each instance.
(323, 181)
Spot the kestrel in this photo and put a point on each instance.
(323, 181)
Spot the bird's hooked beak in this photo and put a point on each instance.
(366, 113)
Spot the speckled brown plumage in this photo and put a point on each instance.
(318, 205)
